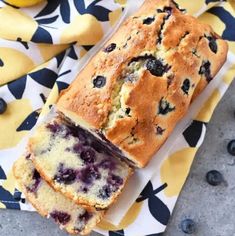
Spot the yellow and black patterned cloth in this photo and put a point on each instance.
(39, 50)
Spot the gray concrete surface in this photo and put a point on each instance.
(212, 208)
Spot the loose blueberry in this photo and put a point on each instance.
(99, 81)
(159, 130)
(65, 175)
(110, 47)
(205, 70)
(3, 106)
(188, 226)
(148, 20)
(212, 44)
(89, 174)
(105, 192)
(214, 177)
(164, 107)
(60, 217)
(156, 67)
(231, 147)
(88, 156)
(186, 85)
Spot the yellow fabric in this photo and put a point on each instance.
(178, 164)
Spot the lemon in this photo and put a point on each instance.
(23, 3)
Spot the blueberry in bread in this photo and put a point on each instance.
(75, 164)
(49, 203)
(134, 91)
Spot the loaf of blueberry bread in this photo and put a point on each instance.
(75, 164)
(133, 92)
(49, 203)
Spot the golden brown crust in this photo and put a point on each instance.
(181, 42)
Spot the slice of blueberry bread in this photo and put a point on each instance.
(76, 164)
(133, 91)
(49, 203)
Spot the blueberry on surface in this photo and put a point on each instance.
(231, 147)
(188, 226)
(214, 177)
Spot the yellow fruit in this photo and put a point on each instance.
(24, 3)
(85, 29)
(15, 64)
(24, 28)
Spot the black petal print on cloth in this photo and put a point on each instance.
(61, 85)
(60, 57)
(228, 19)
(72, 54)
(2, 174)
(65, 11)
(7, 199)
(209, 1)
(101, 13)
(193, 133)
(117, 233)
(41, 36)
(88, 47)
(1, 63)
(43, 97)
(10, 4)
(25, 44)
(49, 8)
(29, 122)
(17, 87)
(157, 208)
(45, 77)
(47, 20)
(64, 73)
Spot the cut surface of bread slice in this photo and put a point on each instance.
(49, 203)
(72, 162)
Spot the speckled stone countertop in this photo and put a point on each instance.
(212, 208)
